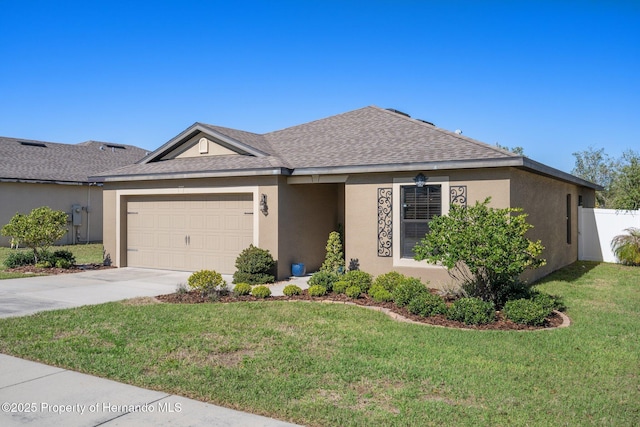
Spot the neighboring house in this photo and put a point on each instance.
(208, 193)
(37, 173)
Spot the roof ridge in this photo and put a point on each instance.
(319, 120)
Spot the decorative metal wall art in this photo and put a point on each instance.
(458, 195)
(385, 221)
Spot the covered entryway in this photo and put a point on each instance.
(189, 232)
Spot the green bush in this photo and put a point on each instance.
(254, 266)
(62, 263)
(379, 293)
(358, 278)
(317, 290)
(390, 280)
(340, 286)
(261, 291)
(427, 305)
(549, 302)
(291, 290)
(407, 290)
(324, 278)
(334, 259)
(472, 311)
(242, 289)
(353, 291)
(207, 282)
(65, 255)
(19, 259)
(526, 311)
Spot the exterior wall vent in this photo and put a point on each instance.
(203, 146)
(32, 144)
(398, 112)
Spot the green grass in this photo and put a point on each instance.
(326, 364)
(85, 254)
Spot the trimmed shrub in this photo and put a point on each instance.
(64, 255)
(19, 259)
(291, 290)
(340, 286)
(549, 302)
(407, 290)
(254, 266)
(334, 259)
(242, 289)
(472, 311)
(427, 305)
(526, 311)
(317, 290)
(379, 293)
(207, 282)
(353, 291)
(261, 291)
(390, 280)
(358, 278)
(324, 278)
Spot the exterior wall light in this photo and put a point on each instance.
(263, 204)
(420, 180)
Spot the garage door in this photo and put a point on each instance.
(189, 233)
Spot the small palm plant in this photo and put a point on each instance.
(626, 247)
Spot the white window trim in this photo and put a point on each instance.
(398, 261)
(120, 194)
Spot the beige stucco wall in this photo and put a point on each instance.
(545, 201)
(307, 214)
(361, 220)
(24, 197)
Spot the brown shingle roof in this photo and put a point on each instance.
(29, 160)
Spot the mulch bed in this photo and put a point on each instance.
(32, 269)
(195, 297)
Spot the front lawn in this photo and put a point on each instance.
(85, 254)
(326, 364)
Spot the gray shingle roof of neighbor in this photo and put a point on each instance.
(39, 161)
(370, 139)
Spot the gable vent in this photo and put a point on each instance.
(32, 144)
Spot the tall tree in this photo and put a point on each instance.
(596, 166)
(626, 185)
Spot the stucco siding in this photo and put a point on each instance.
(24, 197)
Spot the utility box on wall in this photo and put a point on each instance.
(76, 215)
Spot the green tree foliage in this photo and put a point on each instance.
(597, 167)
(626, 247)
(515, 150)
(38, 230)
(483, 248)
(626, 186)
(334, 260)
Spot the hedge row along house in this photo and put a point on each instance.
(378, 174)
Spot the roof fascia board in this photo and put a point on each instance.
(517, 162)
(190, 175)
(44, 181)
(192, 131)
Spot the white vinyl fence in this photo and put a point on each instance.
(596, 229)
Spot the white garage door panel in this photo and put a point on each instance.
(189, 232)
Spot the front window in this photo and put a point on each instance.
(419, 206)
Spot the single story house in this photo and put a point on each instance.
(378, 174)
(38, 173)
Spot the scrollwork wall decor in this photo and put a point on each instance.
(385, 221)
(458, 195)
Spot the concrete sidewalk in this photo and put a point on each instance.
(36, 394)
(40, 395)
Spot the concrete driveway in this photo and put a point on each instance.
(19, 297)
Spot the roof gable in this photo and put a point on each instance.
(217, 140)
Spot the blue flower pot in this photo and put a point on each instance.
(298, 269)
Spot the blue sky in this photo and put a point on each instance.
(553, 77)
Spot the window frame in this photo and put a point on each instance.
(398, 183)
